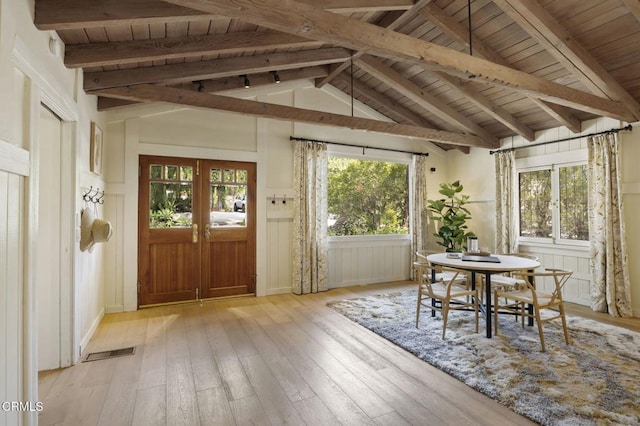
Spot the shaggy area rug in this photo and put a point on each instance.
(596, 380)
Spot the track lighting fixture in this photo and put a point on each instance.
(276, 77)
(247, 83)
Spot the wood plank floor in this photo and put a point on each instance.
(271, 360)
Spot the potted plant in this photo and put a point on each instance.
(452, 217)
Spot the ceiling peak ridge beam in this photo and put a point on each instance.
(554, 37)
(336, 69)
(67, 14)
(297, 18)
(215, 68)
(134, 51)
(157, 93)
(398, 82)
(459, 33)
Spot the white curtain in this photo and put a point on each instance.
(310, 218)
(610, 285)
(419, 212)
(506, 238)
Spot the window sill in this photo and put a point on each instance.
(581, 250)
(359, 240)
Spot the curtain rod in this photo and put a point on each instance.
(295, 138)
(628, 127)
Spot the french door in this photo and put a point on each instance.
(196, 226)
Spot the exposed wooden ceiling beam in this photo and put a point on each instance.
(133, 51)
(397, 22)
(396, 112)
(76, 14)
(301, 19)
(460, 33)
(498, 113)
(156, 93)
(217, 68)
(222, 84)
(634, 7)
(434, 105)
(550, 34)
(257, 80)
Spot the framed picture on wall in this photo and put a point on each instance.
(96, 149)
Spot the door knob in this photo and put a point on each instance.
(194, 233)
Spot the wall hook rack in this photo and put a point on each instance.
(94, 196)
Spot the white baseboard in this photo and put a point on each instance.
(87, 337)
(350, 283)
(114, 309)
(278, 290)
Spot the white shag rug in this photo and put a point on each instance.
(593, 381)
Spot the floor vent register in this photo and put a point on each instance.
(97, 356)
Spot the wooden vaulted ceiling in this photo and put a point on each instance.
(514, 68)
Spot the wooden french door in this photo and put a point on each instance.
(196, 226)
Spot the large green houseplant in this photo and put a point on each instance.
(451, 216)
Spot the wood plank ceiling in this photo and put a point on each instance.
(459, 73)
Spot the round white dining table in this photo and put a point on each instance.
(504, 263)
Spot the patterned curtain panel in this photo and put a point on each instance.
(610, 285)
(309, 255)
(506, 238)
(419, 213)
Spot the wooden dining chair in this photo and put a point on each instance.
(517, 301)
(461, 278)
(507, 281)
(445, 294)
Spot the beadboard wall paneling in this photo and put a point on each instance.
(368, 260)
(279, 243)
(577, 289)
(12, 327)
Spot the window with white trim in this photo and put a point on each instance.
(367, 196)
(552, 204)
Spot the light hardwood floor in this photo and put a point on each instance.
(271, 360)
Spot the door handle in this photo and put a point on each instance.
(207, 232)
(194, 233)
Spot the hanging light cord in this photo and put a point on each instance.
(351, 85)
(470, 36)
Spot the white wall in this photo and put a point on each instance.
(13, 336)
(477, 173)
(31, 75)
(174, 131)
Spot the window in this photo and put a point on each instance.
(553, 203)
(367, 197)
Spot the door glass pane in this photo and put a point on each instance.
(186, 173)
(227, 197)
(155, 171)
(170, 199)
(171, 172)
